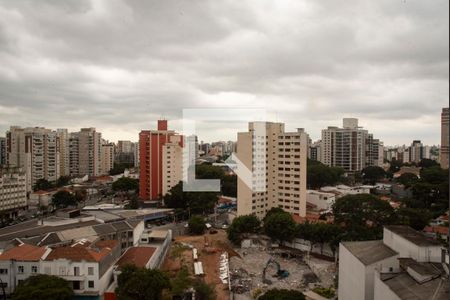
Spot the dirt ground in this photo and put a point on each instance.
(209, 256)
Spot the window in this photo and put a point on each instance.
(76, 271)
(3, 285)
(20, 269)
(91, 284)
(3, 271)
(90, 270)
(34, 269)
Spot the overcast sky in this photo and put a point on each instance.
(120, 65)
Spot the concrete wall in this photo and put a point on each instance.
(351, 276)
(406, 248)
(382, 291)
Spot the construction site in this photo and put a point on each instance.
(248, 271)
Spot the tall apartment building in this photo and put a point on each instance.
(107, 157)
(151, 143)
(125, 153)
(350, 147)
(315, 150)
(85, 152)
(13, 192)
(63, 136)
(2, 151)
(277, 160)
(136, 155)
(444, 153)
(172, 163)
(36, 151)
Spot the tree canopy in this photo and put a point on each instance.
(362, 216)
(319, 175)
(280, 226)
(62, 199)
(43, 287)
(372, 174)
(141, 283)
(197, 225)
(408, 179)
(42, 184)
(197, 202)
(241, 226)
(125, 184)
(282, 294)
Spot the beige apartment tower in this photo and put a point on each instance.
(172, 163)
(36, 151)
(277, 160)
(444, 138)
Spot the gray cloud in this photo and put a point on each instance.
(120, 65)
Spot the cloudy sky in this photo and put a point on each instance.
(121, 65)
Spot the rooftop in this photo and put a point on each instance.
(406, 287)
(412, 235)
(24, 252)
(369, 252)
(138, 256)
(83, 251)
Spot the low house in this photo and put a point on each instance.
(87, 266)
(18, 263)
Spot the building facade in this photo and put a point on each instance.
(34, 150)
(172, 163)
(350, 147)
(2, 151)
(151, 143)
(444, 153)
(107, 157)
(277, 160)
(64, 157)
(85, 151)
(13, 192)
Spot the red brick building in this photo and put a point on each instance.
(151, 144)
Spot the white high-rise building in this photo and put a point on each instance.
(13, 192)
(277, 160)
(350, 147)
(36, 151)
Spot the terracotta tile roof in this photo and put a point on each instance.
(436, 229)
(138, 256)
(311, 218)
(24, 252)
(83, 251)
(41, 192)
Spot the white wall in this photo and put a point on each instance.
(406, 248)
(351, 276)
(382, 291)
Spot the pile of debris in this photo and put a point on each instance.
(240, 280)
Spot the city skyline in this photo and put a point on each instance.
(120, 67)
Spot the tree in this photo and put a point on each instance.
(196, 202)
(415, 218)
(395, 165)
(229, 185)
(408, 179)
(119, 168)
(372, 174)
(42, 184)
(280, 226)
(62, 199)
(242, 226)
(428, 163)
(197, 225)
(323, 233)
(282, 294)
(125, 184)
(141, 283)
(43, 287)
(181, 282)
(319, 175)
(133, 204)
(62, 181)
(204, 291)
(362, 216)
